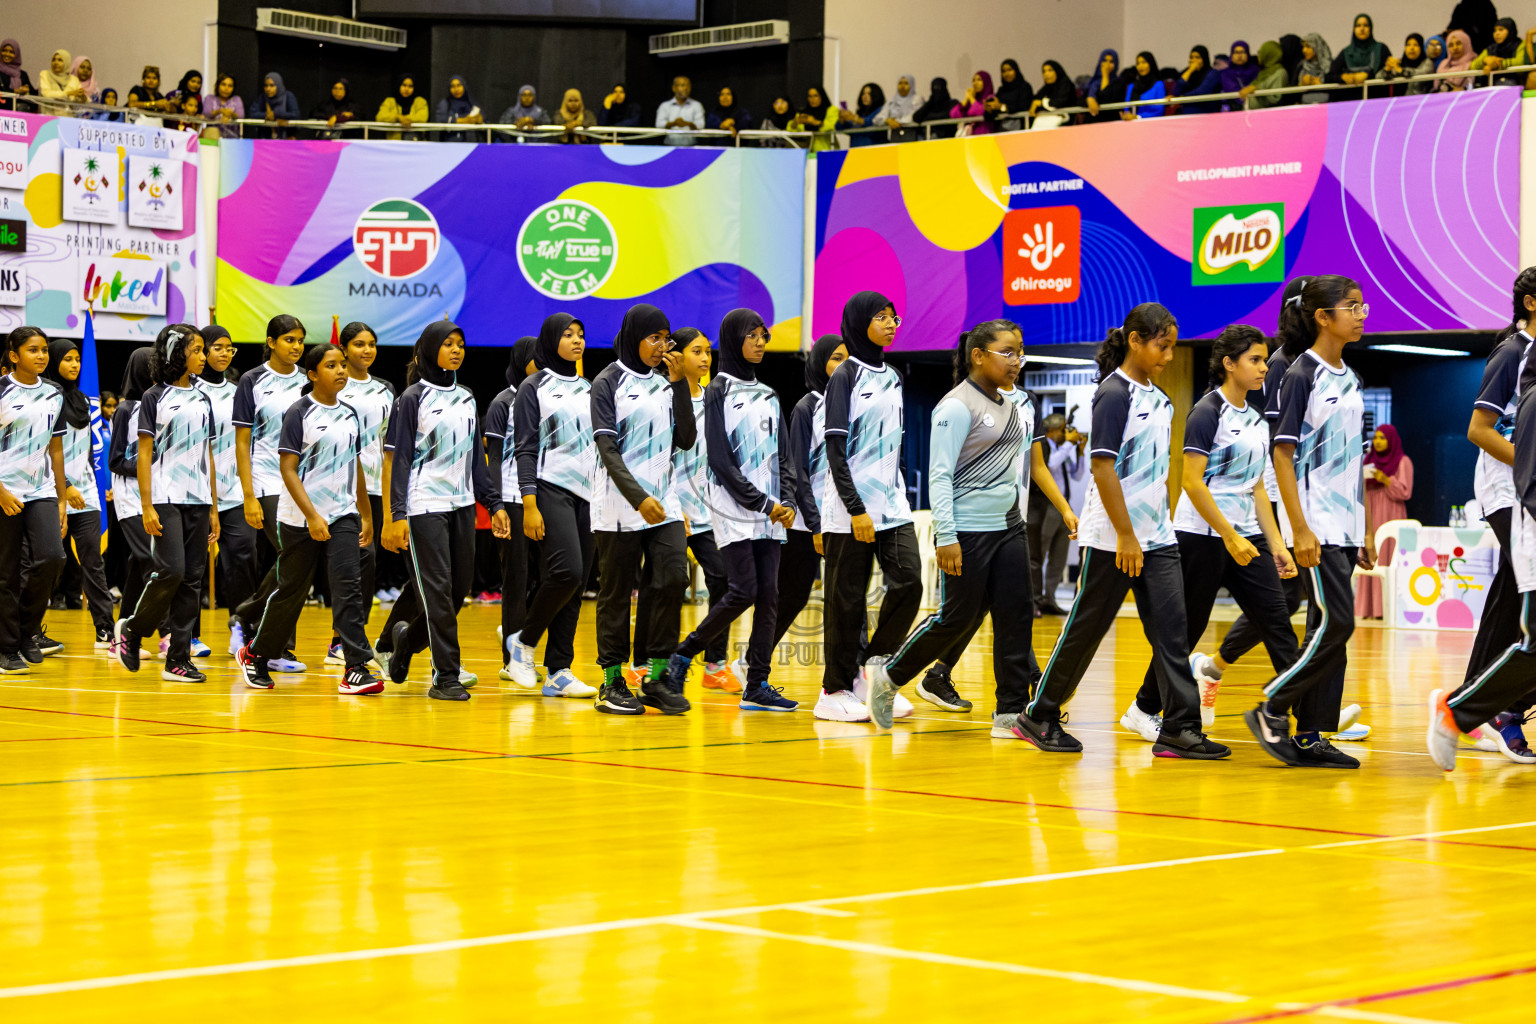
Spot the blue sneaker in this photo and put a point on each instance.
(766, 698)
(287, 663)
(199, 649)
(1510, 738)
(676, 676)
(520, 666)
(563, 683)
(236, 639)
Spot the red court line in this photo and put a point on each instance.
(795, 782)
(101, 736)
(1402, 993)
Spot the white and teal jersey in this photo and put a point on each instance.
(498, 424)
(1322, 413)
(371, 399)
(1024, 404)
(80, 466)
(553, 427)
(125, 443)
(179, 422)
(1492, 482)
(261, 400)
(1131, 424)
(221, 397)
(436, 431)
(688, 468)
(327, 440)
(808, 445)
(973, 463)
(31, 416)
(1235, 442)
(636, 410)
(864, 404)
(748, 453)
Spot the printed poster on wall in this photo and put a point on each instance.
(153, 202)
(92, 186)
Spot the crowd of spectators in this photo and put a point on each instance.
(1475, 40)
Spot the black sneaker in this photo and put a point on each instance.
(103, 639)
(1048, 736)
(935, 688)
(255, 669)
(676, 677)
(125, 645)
(31, 652)
(658, 694)
(1191, 744)
(447, 691)
(13, 664)
(1322, 754)
(47, 644)
(615, 698)
(1273, 733)
(400, 658)
(181, 671)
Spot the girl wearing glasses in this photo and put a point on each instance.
(976, 454)
(642, 414)
(751, 479)
(1317, 456)
(1128, 544)
(864, 510)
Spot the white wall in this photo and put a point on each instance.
(119, 38)
(881, 40)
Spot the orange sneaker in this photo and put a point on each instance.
(634, 676)
(718, 676)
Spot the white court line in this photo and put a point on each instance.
(897, 953)
(1426, 835)
(809, 908)
(1351, 1013)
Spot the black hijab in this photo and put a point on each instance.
(546, 350)
(137, 377)
(640, 323)
(1511, 43)
(738, 323)
(778, 120)
(210, 334)
(405, 102)
(424, 356)
(1291, 58)
(77, 408)
(517, 368)
(876, 99)
(1062, 93)
(1017, 94)
(938, 104)
(858, 314)
(332, 107)
(816, 363)
(1142, 82)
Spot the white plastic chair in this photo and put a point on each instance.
(1392, 529)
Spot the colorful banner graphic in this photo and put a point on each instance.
(1063, 231)
(394, 233)
(61, 251)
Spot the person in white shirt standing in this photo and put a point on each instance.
(1048, 532)
(680, 112)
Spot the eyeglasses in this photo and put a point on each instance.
(1008, 354)
(1358, 310)
(881, 318)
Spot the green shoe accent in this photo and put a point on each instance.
(658, 668)
(613, 674)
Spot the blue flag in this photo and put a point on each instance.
(90, 384)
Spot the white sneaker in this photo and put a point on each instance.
(1208, 678)
(520, 665)
(1350, 728)
(236, 638)
(1002, 726)
(841, 706)
(901, 707)
(1148, 727)
(1443, 735)
(1204, 665)
(739, 670)
(165, 645)
(563, 683)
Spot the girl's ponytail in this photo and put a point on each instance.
(1148, 320)
(1326, 291)
(1112, 352)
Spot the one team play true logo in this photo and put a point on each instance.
(396, 238)
(567, 249)
(1239, 244)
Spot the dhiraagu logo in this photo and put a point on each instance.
(1239, 244)
(567, 249)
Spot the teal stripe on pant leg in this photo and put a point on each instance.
(1523, 646)
(1066, 629)
(1317, 637)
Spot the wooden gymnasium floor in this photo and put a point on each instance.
(184, 853)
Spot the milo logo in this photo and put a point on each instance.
(1239, 244)
(566, 249)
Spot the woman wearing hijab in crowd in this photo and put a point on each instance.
(1241, 70)
(404, 108)
(642, 415)
(85, 73)
(526, 112)
(900, 108)
(191, 84)
(1290, 59)
(800, 563)
(574, 115)
(57, 83)
(864, 510)
(1056, 93)
(870, 112)
(1271, 76)
(122, 460)
(236, 566)
(728, 114)
(437, 473)
(1506, 50)
(1458, 50)
(276, 104)
(335, 110)
(1434, 53)
(501, 462)
(1414, 61)
(818, 117)
(1105, 87)
(1014, 95)
(749, 482)
(80, 484)
(1388, 487)
(13, 77)
(458, 108)
(224, 103)
(781, 118)
(974, 103)
(936, 108)
(619, 111)
(556, 462)
(1147, 85)
(1200, 78)
(1358, 62)
(108, 98)
(1316, 59)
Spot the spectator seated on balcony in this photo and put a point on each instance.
(225, 104)
(1458, 49)
(85, 73)
(1197, 79)
(146, 96)
(276, 104)
(404, 108)
(108, 98)
(1271, 76)
(458, 108)
(1316, 59)
(1239, 73)
(1413, 62)
(728, 114)
(619, 111)
(574, 116)
(1146, 85)
(1359, 62)
(336, 109)
(1507, 50)
(900, 108)
(56, 83)
(1014, 96)
(525, 113)
(190, 105)
(819, 117)
(1105, 86)
(973, 103)
(781, 118)
(870, 111)
(936, 108)
(191, 82)
(681, 111)
(1056, 93)
(12, 77)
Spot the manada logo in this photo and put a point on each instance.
(1042, 254)
(567, 249)
(1239, 244)
(396, 238)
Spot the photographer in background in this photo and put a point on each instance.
(1064, 454)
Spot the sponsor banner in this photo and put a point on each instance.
(13, 164)
(1064, 231)
(153, 187)
(13, 282)
(56, 253)
(92, 186)
(392, 235)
